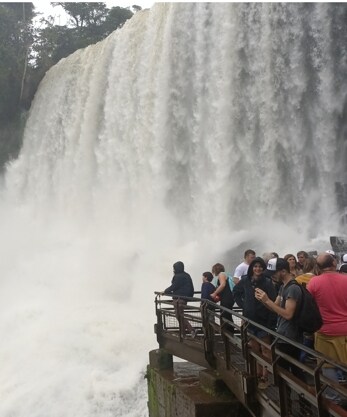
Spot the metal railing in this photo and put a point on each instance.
(226, 347)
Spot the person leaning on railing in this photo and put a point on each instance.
(181, 285)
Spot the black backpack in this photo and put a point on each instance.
(307, 314)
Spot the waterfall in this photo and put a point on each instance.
(195, 128)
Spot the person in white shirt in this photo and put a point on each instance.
(242, 269)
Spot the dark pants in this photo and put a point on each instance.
(229, 317)
(179, 305)
(294, 352)
(308, 340)
(227, 302)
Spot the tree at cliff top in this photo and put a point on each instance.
(16, 38)
(88, 23)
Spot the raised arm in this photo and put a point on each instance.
(287, 312)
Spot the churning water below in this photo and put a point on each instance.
(196, 130)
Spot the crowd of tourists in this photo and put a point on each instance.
(269, 291)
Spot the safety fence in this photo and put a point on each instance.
(313, 385)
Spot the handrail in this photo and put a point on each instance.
(207, 316)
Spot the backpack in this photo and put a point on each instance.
(230, 282)
(307, 314)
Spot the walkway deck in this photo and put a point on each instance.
(228, 352)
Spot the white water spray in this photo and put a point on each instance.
(193, 129)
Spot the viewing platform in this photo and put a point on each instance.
(221, 369)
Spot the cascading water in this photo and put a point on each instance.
(193, 129)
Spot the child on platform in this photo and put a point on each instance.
(207, 288)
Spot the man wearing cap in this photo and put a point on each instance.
(329, 289)
(268, 273)
(288, 298)
(285, 305)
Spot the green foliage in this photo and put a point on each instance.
(53, 43)
(16, 38)
(85, 14)
(116, 18)
(88, 23)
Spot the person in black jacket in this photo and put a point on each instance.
(181, 285)
(244, 294)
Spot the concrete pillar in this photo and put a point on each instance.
(186, 390)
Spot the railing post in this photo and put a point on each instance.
(208, 334)
(251, 362)
(158, 327)
(322, 412)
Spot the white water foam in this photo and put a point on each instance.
(194, 131)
